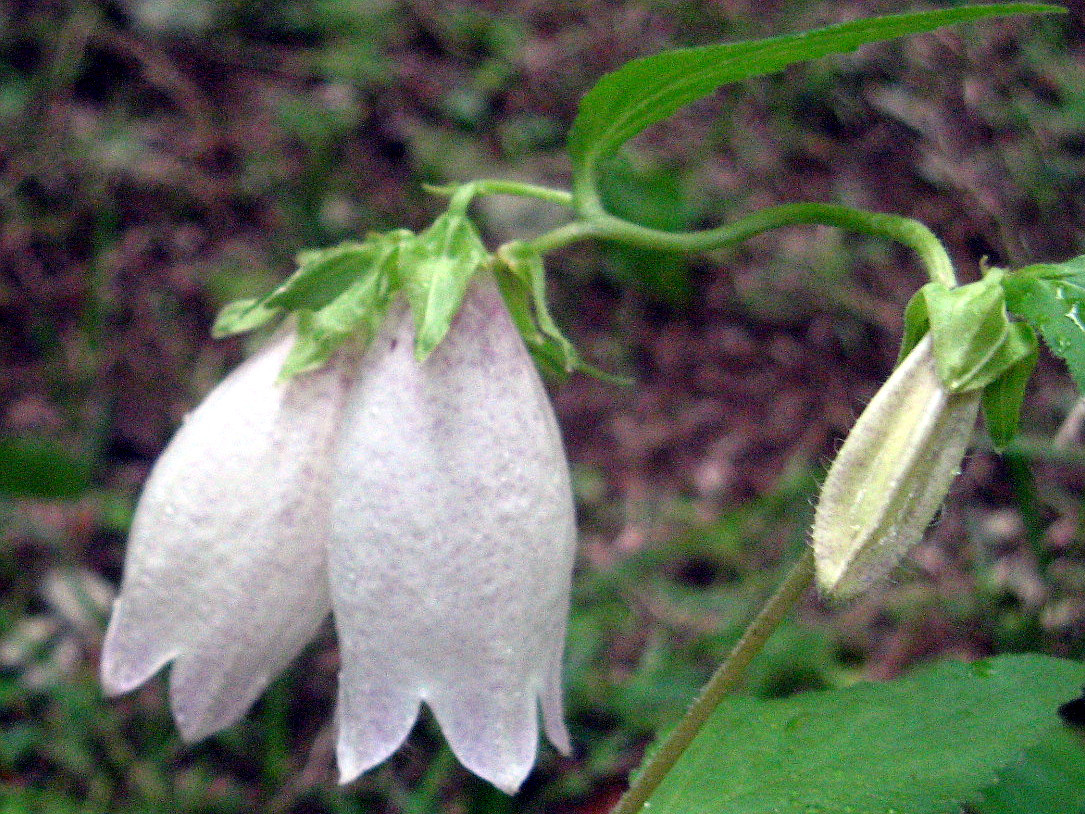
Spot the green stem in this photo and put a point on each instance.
(564, 235)
(498, 186)
(723, 681)
(906, 231)
(594, 222)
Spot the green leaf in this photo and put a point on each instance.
(649, 197)
(973, 340)
(648, 90)
(1048, 779)
(916, 745)
(1002, 398)
(1052, 297)
(434, 273)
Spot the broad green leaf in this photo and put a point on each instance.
(1048, 779)
(1002, 398)
(434, 273)
(654, 198)
(648, 90)
(973, 340)
(1052, 297)
(916, 745)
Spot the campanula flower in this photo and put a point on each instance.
(425, 505)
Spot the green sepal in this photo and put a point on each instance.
(241, 316)
(321, 276)
(973, 340)
(357, 313)
(916, 325)
(1051, 296)
(434, 273)
(324, 274)
(521, 277)
(1002, 398)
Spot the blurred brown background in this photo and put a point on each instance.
(159, 158)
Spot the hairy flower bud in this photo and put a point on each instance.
(426, 505)
(890, 476)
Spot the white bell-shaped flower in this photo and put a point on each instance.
(426, 505)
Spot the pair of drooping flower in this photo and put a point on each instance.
(425, 504)
(394, 460)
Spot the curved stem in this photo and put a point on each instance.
(564, 235)
(906, 231)
(725, 679)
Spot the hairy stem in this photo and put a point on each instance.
(723, 681)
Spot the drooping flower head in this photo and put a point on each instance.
(425, 504)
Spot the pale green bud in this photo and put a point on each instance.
(891, 475)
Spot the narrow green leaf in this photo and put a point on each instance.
(1003, 398)
(1052, 297)
(916, 745)
(648, 90)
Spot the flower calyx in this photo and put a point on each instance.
(522, 279)
(976, 346)
(344, 293)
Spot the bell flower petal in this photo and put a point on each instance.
(226, 569)
(453, 534)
